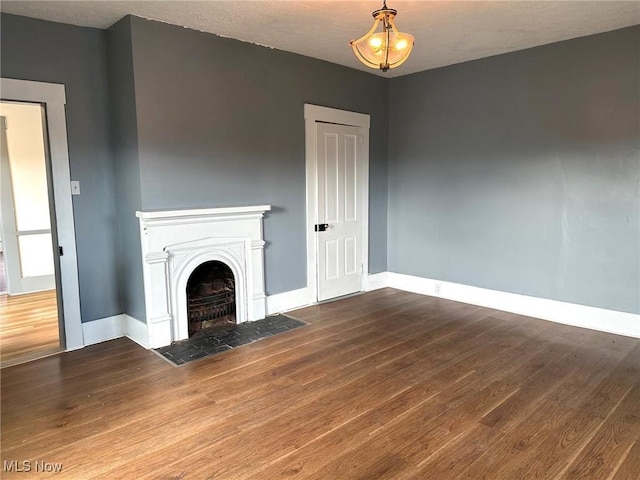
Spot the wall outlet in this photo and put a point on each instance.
(437, 289)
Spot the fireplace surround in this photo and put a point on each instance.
(176, 242)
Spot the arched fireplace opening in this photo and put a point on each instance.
(211, 299)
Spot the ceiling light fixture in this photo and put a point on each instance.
(387, 49)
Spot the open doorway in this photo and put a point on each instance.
(29, 320)
(52, 98)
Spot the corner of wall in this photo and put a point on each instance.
(117, 326)
(124, 129)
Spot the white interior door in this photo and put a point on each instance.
(339, 228)
(24, 197)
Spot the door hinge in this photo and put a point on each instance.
(60, 251)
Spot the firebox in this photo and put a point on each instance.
(211, 299)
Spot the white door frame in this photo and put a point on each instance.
(53, 97)
(313, 114)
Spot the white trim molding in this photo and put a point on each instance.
(103, 329)
(117, 326)
(54, 98)
(376, 281)
(620, 323)
(610, 321)
(283, 302)
(312, 115)
(136, 331)
(317, 113)
(30, 91)
(123, 325)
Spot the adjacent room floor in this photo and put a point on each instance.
(387, 384)
(28, 326)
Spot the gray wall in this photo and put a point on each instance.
(520, 172)
(220, 123)
(76, 57)
(517, 173)
(124, 136)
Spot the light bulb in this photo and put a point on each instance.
(375, 42)
(401, 44)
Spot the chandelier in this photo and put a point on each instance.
(386, 49)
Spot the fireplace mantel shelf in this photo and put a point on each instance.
(202, 212)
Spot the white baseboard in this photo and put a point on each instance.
(259, 308)
(610, 321)
(122, 325)
(103, 329)
(376, 281)
(282, 302)
(110, 328)
(136, 331)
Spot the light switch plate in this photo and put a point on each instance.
(75, 187)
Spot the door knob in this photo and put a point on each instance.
(321, 227)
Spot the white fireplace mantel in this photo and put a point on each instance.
(176, 242)
(194, 214)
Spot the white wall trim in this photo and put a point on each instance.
(283, 302)
(316, 113)
(610, 321)
(103, 329)
(54, 97)
(600, 319)
(136, 331)
(117, 326)
(376, 281)
(30, 91)
(313, 114)
(123, 325)
(179, 217)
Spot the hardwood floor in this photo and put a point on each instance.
(386, 385)
(28, 327)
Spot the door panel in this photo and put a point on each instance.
(351, 187)
(339, 246)
(331, 258)
(328, 179)
(350, 256)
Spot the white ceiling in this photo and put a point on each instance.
(446, 32)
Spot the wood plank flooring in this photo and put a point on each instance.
(385, 385)
(28, 326)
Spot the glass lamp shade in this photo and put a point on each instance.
(386, 49)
